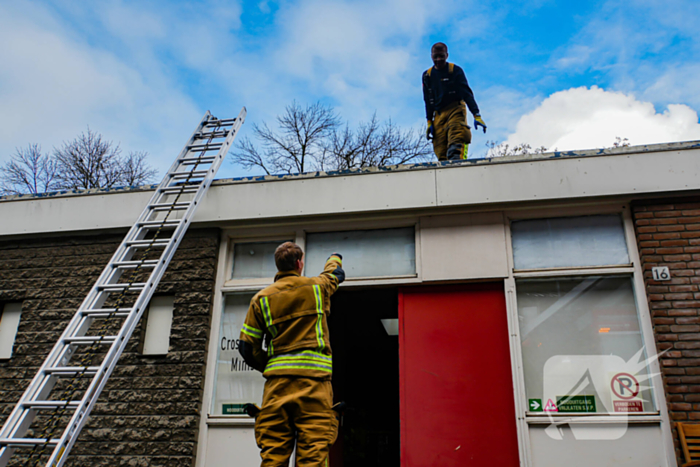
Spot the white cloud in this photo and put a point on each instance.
(585, 118)
(358, 53)
(54, 83)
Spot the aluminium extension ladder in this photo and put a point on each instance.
(144, 254)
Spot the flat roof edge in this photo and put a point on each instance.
(555, 155)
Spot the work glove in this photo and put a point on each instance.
(479, 122)
(430, 131)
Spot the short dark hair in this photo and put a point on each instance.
(287, 255)
(439, 46)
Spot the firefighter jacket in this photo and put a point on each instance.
(290, 317)
(444, 87)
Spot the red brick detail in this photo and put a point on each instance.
(669, 235)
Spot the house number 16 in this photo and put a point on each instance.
(661, 273)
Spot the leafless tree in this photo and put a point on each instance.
(523, 149)
(621, 142)
(28, 171)
(89, 161)
(504, 149)
(297, 145)
(312, 138)
(134, 169)
(374, 145)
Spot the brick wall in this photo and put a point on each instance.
(668, 234)
(148, 413)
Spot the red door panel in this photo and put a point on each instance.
(455, 377)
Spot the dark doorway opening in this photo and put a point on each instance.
(366, 377)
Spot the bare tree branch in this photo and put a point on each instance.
(374, 144)
(296, 146)
(134, 171)
(312, 138)
(28, 171)
(91, 162)
(504, 149)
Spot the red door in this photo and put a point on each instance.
(455, 377)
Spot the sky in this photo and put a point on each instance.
(564, 75)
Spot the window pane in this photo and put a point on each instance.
(236, 383)
(254, 260)
(9, 322)
(569, 242)
(366, 253)
(581, 337)
(158, 325)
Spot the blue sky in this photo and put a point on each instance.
(570, 75)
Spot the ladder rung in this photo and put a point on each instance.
(24, 442)
(163, 223)
(180, 189)
(90, 339)
(148, 263)
(71, 370)
(197, 160)
(186, 175)
(211, 134)
(134, 286)
(147, 243)
(222, 122)
(181, 204)
(169, 207)
(105, 312)
(204, 147)
(50, 404)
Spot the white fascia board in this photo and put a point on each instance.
(569, 178)
(372, 192)
(470, 183)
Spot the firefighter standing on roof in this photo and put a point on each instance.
(447, 94)
(290, 316)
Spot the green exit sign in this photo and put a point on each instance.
(233, 409)
(576, 404)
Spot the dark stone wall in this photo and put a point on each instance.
(148, 413)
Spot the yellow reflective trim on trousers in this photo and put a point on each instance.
(464, 153)
(319, 320)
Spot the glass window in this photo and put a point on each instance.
(9, 322)
(569, 242)
(582, 345)
(366, 253)
(236, 383)
(156, 341)
(254, 260)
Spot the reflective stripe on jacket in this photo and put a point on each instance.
(290, 316)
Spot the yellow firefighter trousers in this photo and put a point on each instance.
(451, 132)
(296, 406)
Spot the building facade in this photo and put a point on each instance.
(535, 311)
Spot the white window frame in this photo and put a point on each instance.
(634, 270)
(10, 316)
(158, 324)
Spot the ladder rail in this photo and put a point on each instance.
(43, 382)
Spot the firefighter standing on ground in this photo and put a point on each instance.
(447, 94)
(291, 317)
